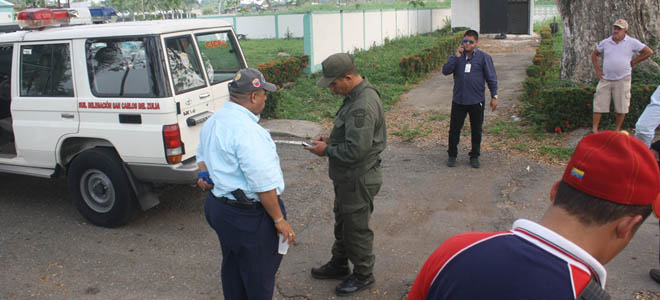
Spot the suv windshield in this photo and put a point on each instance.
(221, 52)
(123, 67)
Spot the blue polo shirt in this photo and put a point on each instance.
(469, 88)
(528, 262)
(239, 153)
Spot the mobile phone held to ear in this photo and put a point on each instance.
(305, 144)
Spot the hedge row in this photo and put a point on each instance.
(430, 59)
(280, 72)
(564, 109)
(559, 109)
(543, 63)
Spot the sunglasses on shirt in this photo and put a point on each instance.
(466, 41)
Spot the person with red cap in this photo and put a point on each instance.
(609, 187)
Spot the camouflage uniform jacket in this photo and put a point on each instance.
(359, 134)
(184, 76)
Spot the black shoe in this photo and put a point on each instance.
(474, 162)
(655, 274)
(451, 162)
(354, 283)
(331, 271)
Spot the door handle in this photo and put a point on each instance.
(67, 116)
(206, 95)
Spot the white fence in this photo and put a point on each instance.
(545, 12)
(276, 26)
(327, 33)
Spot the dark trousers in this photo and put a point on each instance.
(249, 243)
(354, 203)
(458, 114)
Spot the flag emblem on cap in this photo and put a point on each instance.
(256, 83)
(577, 173)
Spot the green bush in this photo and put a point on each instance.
(431, 58)
(280, 72)
(563, 109)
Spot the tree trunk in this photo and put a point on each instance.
(587, 22)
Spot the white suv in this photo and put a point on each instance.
(116, 107)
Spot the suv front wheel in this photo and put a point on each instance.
(101, 188)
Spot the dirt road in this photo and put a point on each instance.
(47, 251)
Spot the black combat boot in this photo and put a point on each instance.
(331, 270)
(354, 283)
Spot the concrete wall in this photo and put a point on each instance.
(465, 13)
(256, 27)
(292, 23)
(545, 12)
(273, 26)
(331, 32)
(6, 17)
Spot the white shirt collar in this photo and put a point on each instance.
(625, 38)
(532, 232)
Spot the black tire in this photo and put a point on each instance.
(100, 187)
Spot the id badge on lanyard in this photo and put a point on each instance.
(468, 67)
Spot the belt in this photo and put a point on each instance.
(237, 204)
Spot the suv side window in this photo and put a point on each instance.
(221, 56)
(121, 68)
(46, 71)
(184, 65)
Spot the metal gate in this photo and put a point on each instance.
(518, 16)
(493, 16)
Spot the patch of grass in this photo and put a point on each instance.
(262, 51)
(560, 153)
(520, 146)
(504, 128)
(440, 117)
(409, 135)
(306, 101)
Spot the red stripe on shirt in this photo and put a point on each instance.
(442, 255)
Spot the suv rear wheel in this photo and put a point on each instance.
(101, 188)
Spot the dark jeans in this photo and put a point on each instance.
(458, 113)
(249, 242)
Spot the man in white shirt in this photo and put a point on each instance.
(615, 76)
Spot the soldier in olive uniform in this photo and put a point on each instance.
(353, 149)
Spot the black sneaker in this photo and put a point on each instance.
(474, 162)
(354, 283)
(451, 162)
(655, 274)
(331, 271)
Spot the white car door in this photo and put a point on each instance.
(190, 88)
(44, 105)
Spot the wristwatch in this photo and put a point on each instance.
(495, 96)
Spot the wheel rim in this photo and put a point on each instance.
(97, 191)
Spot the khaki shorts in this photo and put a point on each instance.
(617, 89)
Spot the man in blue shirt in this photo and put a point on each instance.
(593, 215)
(472, 68)
(239, 164)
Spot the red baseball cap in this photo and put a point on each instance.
(616, 167)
